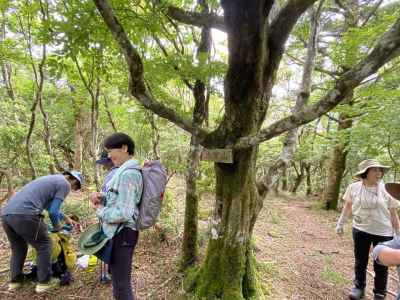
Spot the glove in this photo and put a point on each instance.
(339, 229)
(340, 224)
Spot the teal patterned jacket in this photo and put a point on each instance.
(122, 199)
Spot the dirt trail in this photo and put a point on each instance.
(301, 256)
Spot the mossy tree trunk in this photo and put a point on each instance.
(337, 165)
(228, 271)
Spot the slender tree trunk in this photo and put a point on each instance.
(284, 180)
(337, 165)
(94, 125)
(110, 118)
(77, 103)
(299, 179)
(155, 138)
(308, 179)
(5, 67)
(10, 189)
(94, 92)
(200, 113)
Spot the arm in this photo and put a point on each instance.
(54, 213)
(386, 256)
(346, 213)
(394, 218)
(120, 207)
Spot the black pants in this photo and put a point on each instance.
(121, 263)
(362, 245)
(22, 230)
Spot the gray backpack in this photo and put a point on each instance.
(154, 182)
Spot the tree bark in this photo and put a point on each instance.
(155, 138)
(308, 179)
(110, 118)
(299, 179)
(6, 67)
(10, 188)
(337, 164)
(78, 135)
(200, 112)
(94, 92)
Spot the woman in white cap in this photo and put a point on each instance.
(375, 220)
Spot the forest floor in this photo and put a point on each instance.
(299, 255)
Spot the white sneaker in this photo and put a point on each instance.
(53, 284)
(13, 286)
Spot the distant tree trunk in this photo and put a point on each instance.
(308, 179)
(10, 189)
(336, 166)
(94, 125)
(110, 118)
(299, 178)
(5, 67)
(78, 139)
(93, 89)
(284, 180)
(155, 137)
(200, 112)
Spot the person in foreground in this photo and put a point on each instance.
(118, 211)
(23, 224)
(374, 220)
(388, 253)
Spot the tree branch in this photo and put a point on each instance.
(387, 48)
(196, 19)
(282, 25)
(135, 67)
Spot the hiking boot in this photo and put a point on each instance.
(13, 286)
(356, 294)
(44, 287)
(379, 297)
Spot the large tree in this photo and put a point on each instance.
(255, 45)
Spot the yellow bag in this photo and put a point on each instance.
(60, 242)
(68, 250)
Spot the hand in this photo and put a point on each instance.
(339, 230)
(70, 221)
(95, 198)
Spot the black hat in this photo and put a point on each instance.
(104, 159)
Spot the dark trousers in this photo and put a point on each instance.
(22, 230)
(362, 245)
(121, 263)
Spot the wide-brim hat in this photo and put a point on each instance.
(369, 163)
(393, 189)
(92, 240)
